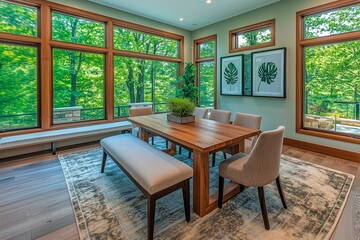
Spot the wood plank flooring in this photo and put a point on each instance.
(35, 204)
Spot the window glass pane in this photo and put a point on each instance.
(78, 86)
(253, 38)
(138, 80)
(18, 19)
(18, 87)
(334, 22)
(206, 77)
(130, 40)
(77, 30)
(207, 49)
(332, 87)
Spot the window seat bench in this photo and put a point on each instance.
(53, 136)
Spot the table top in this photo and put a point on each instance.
(203, 135)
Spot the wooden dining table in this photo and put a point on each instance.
(203, 137)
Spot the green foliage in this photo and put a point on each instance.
(231, 74)
(254, 37)
(181, 107)
(267, 72)
(206, 88)
(18, 19)
(187, 84)
(77, 30)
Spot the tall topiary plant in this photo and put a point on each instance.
(186, 84)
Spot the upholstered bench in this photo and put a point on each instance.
(154, 172)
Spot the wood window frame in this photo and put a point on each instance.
(250, 28)
(197, 60)
(301, 43)
(46, 44)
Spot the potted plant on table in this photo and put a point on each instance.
(182, 110)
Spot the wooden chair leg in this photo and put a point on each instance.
(166, 144)
(152, 141)
(224, 155)
(151, 202)
(103, 161)
(189, 155)
(221, 191)
(180, 149)
(242, 188)
(278, 183)
(263, 207)
(213, 159)
(186, 197)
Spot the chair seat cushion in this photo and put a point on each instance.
(232, 167)
(153, 169)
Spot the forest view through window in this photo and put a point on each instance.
(80, 67)
(144, 80)
(205, 64)
(332, 73)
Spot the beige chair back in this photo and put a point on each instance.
(263, 163)
(220, 116)
(201, 112)
(248, 121)
(140, 111)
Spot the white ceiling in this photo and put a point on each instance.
(196, 13)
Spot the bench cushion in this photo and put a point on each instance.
(153, 169)
(62, 134)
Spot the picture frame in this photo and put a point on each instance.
(231, 74)
(269, 73)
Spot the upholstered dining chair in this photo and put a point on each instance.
(256, 169)
(199, 112)
(219, 116)
(248, 121)
(141, 111)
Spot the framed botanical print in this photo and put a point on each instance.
(268, 73)
(232, 75)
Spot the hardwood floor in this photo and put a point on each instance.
(35, 204)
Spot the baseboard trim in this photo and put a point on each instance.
(333, 152)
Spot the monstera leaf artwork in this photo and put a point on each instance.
(267, 72)
(231, 74)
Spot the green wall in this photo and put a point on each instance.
(274, 111)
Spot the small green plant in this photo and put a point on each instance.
(181, 107)
(186, 83)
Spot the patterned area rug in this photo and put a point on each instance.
(109, 206)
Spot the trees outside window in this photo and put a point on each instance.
(329, 75)
(205, 61)
(254, 36)
(90, 66)
(19, 81)
(150, 77)
(18, 87)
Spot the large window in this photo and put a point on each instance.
(330, 73)
(151, 76)
(78, 83)
(253, 36)
(18, 87)
(19, 84)
(60, 65)
(205, 60)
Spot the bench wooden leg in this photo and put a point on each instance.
(151, 202)
(103, 161)
(53, 148)
(186, 197)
